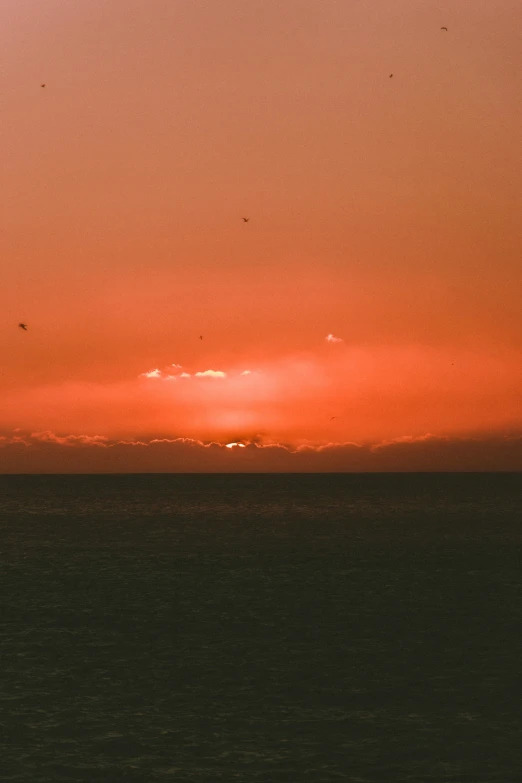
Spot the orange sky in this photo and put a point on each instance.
(385, 212)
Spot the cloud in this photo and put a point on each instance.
(48, 452)
(69, 440)
(167, 376)
(162, 374)
(211, 374)
(330, 338)
(407, 439)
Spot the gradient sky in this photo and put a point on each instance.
(384, 212)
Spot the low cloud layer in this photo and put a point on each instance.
(48, 452)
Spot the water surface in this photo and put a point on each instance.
(261, 628)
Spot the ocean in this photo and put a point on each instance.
(262, 628)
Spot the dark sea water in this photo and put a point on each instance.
(261, 628)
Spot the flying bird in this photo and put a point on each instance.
(333, 417)
(200, 336)
(391, 74)
(245, 219)
(23, 326)
(42, 85)
(444, 28)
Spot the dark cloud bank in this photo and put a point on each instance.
(46, 452)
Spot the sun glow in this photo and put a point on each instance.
(232, 445)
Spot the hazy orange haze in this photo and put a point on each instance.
(383, 211)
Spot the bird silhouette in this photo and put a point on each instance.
(23, 326)
(200, 336)
(42, 85)
(444, 28)
(245, 219)
(391, 74)
(333, 417)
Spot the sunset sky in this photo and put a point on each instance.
(368, 315)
